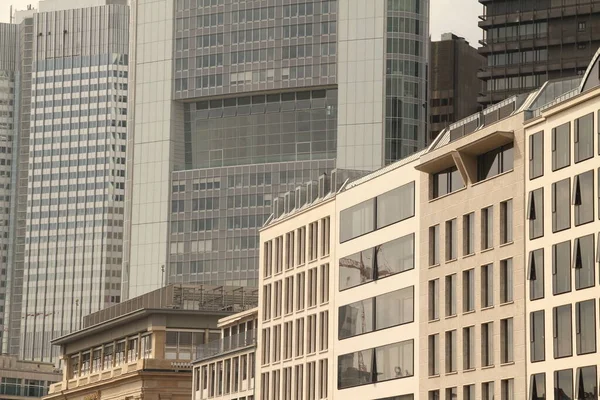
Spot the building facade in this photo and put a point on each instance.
(453, 82)
(225, 368)
(529, 42)
(21, 380)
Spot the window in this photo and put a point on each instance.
(323, 379)
(487, 228)
(433, 395)
(585, 322)
(299, 372)
(313, 241)
(468, 347)
(468, 234)
(451, 240)
(506, 340)
(447, 181)
(324, 330)
(563, 337)
(434, 354)
(434, 300)
(357, 220)
(536, 155)
(581, 28)
(451, 351)
(537, 336)
(537, 387)
(266, 353)
(396, 205)
(278, 294)
(536, 274)
(289, 294)
(301, 255)
(584, 137)
(506, 222)
(469, 392)
(377, 263)
(535, 213)
(561, 208)
(487, 286)
(506, 280)
(325, 237)
(299, 337)
(267, 302)
(487, 344)
(495, 162)
(450, 295)
(312, 287)
(563, 383)
(469, 290)
(434, 245)
(583, 198)
(289, 241)
(300, 291)
(561, 268)
(324, 270)
(586, 382)
(583, 262)
(561, 146)
(507, 389)
(452, 393)
(311, 333)
(487, 391)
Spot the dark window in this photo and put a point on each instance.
(495, 162)
(446, 182)
(535, 213)
(469, 234)
(451, 240)
(451, 351)
(536, 274)
(506, 281)
(536, 155)
(586, 382)
(356, 318)
(537, 387)
(563, 384)
(433, 354)
(434, 245)
(584, 137)
(396, 205)
(355, 369)
(585, 322)
(537, 336)
(506, 221)
(583, 197)
(487, 285)
(468, 348)
(562, 331)
(583, 262)
(561, 207)
(561, 267)
(506, 340)
(434, 299)
(487, 344)
(357, 220)
(468, 290)
(561, 146)
(487, 228)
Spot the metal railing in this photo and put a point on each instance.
(226, 344)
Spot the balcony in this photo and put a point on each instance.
(226, 345)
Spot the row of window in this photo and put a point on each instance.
(487, 391)
(585, 387)
(519, 57)
(81, 61)
(294, 383)
(230, 375)
(517, 82)
(80, 76)
(202, 204)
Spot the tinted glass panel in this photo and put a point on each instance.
(586, 382)
(537, 387)
(396, 205)
(563, 384)
(561, 146)
(536, 274)
(395, 256)
(495, 162)
(585, 320)
(395, 361)
(561, 205)
(356, 269)
(537, 326)
(394, 308)
(535, 213)
(561, 268)
(536, 155)
(584, 137)
(563, 336)
(356, 318)
(583, 198)
(355, 369)
(357, 220)
(583, 262)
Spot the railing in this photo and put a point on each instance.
(226, 344)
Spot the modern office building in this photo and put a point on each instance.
(25, 380)
(453, 82)
(529, 42)
(69, 231)
(235, 103)
(225, 368)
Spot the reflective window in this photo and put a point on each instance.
(487, 344)
(585, 320)
(487, 285)
(468, 234)
(537, 336)
(561, 146)
(356, 318)
(434, 245)
(561, 268)
(537, 387)
(434, 299)
(536, 274)
(451, 240)
(506, 221)
(468, 340)
(583, 198)
(450, 295)
(563, 335)
(357, 220)
(506, 281)
(495, 162)
(536, 155)
(563, 384)
(584, 137)
(535, 213)
(396, 205)
(561, 206)
(468, 290)
(586, 382)
(583, 262)
(451, 351)
(446, 182)
(487, 228)
(433, 351)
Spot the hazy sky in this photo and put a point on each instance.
(457, 16)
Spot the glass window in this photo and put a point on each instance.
(583, 197)
(469, 234)
(507, 389)
(586, 382)
(451, 240)
(506, 222)
(563, 336)
(487, 285)
(434, 245)
(396, 205)
(561, 207)
(434, 354)
(487, 228)
(450, 295)
(452, 393)
(506, 340)
(487, 391)
(563, 384)
(536, 155)
(357, 220)
(561, 146)
(447, 181)
(535, 213)
(495, 162)
(356, 269)
(585, 321)
(468, 347)
(355, 369)
(451, 351)
(506, 280)
(537, 387)
(561, 268)
(584, 137)
(469, 290)
(433, 395)
(469, 392)
(487, 344)
(434, 299)
(537, 336)
(536, 274)
(583, 262)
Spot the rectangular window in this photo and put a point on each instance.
(468, 348)
(311, 333)
(507, 389)
(535, 213)
(586, 382)
(585, 322)
(487, 285)
(487, 391)
(563, 384)
(300, 290)
(583, 262)
(561, 268)
(487, 344)
(487, 228)
(451, 240)
(446, 182)
(584, 137)
(299, 337)
(433, 395)
(323, 379)
(325, 237)
(324, 283)
(312, 287)
(562, 331)
(506, 280)
(267, 302)
(434, 300)
(537, 336)
(288, 332)
(278, 292)
(313, 241)
(583, 198)
(452, 393)
(561, 146)
(451, 351)
(357, 220)
(468, 234)
(536, 155)
(537, 387)
(506, 222)
(495, 162)
(301, 238)
(266, 338)
(450, 295)
(299, 382)
(506, 341)
(469, 392)
(396, 205)
(434, 245)
(469, 290)
(268, 259)
(323, 330)
(434, 354)
(536, 274)
(289, 294)
(289, 240)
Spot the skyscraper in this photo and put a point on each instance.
(236, 102)
(67, 257)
